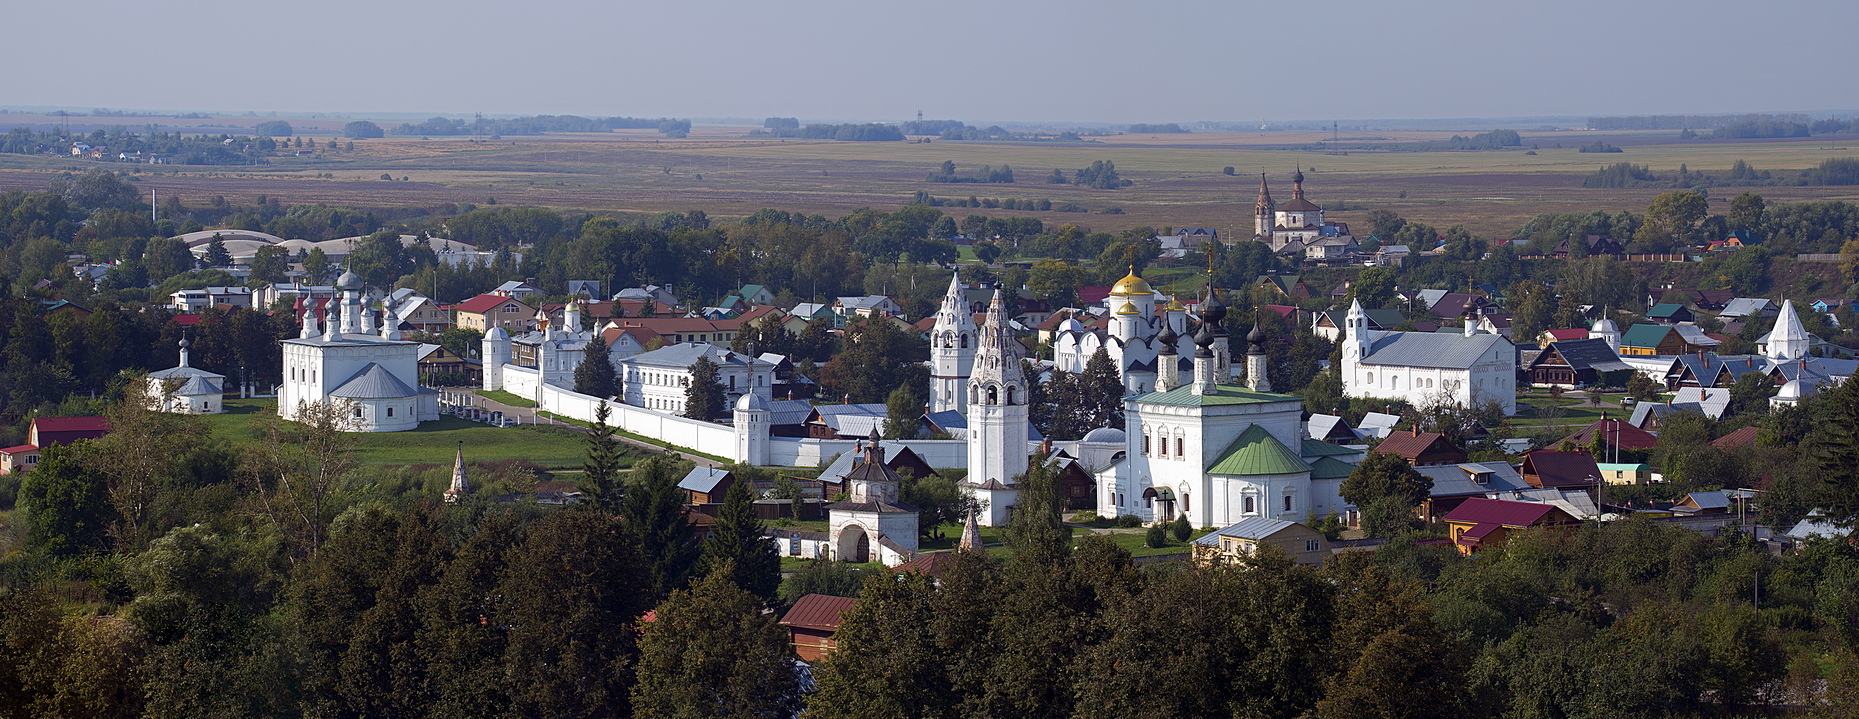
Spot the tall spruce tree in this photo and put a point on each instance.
(1035, 532)
(595, 375)
(737, 548)
(1834, 451)
(704, 398)
(600, 485)
(654, 512)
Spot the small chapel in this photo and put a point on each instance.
(183, 389)
(871, 524)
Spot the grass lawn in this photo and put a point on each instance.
(1133, 541)
(433, 443)
(498, 395)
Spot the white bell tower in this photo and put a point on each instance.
(997, 417)
(952, 351)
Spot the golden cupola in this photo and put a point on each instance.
(1132, 285)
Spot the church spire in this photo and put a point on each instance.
(1265, 204)
(460, 485)
(1297, 185)
(971, 535)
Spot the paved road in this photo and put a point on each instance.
(527, 415)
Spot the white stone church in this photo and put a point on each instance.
(372, 373)
(1467, 369)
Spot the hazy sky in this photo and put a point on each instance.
(995, 60)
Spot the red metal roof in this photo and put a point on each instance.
(818, 611)
(1570, 334)
(483, 303)
(187, 320)
(71, 424)
(20, 449)
(1499, 512)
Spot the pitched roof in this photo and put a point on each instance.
(484, 303)
(1330, 468)
(1613, 432)
(685, 354)
(1647, 336)
(1561, 469)
(1503, 513)
(46, 425)
(1255, 452)
(1459, 480)
(1665, 310)
(1428, 349)
(1746, 306)
(1410, 445)
(1310, 447)
(1576, 333)
(1583, 354)
(373, 382)
(703, 479)
(1249, 528)
(1745, 437)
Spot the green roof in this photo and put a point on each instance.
(1330, 468)
(1664, 309)
(1320, 448)
(1644, 335)
(1257, 452)
(1184, 396)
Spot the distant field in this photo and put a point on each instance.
(1178, 179)
(433, 443)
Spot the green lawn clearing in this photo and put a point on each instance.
(435, 442)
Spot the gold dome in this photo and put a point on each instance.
(1129, 308)
(1175, 306)
(1132, 285)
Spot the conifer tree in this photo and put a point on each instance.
(654, 512)
(1101, 391)
(595, 375)
(736, 547)
(217, 256)
(704, 398)
(600, 483)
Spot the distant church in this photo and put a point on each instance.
(373, 373)
(1140, 341)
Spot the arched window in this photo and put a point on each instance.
(1178, 445)
(993, 395)
(1369, 379)
(1287, 502)
(1145, 442)
(1246, 505)
(1010, 398)
(964, 340)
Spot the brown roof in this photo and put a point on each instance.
(929, 565)
(1560, 469)
(818, 611)
(1745, 437)
(1409, 445)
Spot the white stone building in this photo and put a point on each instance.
(658, 379)
(1132, 340)
(186, 390)
(872, 524)
(1467, 369)
(375, 375)
(952, 351)
(1220, 453)
(998, 421)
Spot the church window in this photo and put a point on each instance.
(1145, 444)
(1184, 501)
(390, 411)
(993, 395)
(358, 410)
(1287, 502)
(1178, 452)
(1369, 379)
(1246, 505)
(964, 340)
(1010, 398)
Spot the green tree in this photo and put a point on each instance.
(361, 130)
(1746, 211)
(1374, 288)
(1180, 529)
(1385, 475)
(887, 661)
(66, 504)
(1642, 388)
(601, 488)
(273, 128)
(269, 263)
(822, 576)
(710, 652)
(654, 511)
(1100, 388)
(737, 548)
(1750, 395)
(704, 397)
(903, 413)
(595, 375)
(1035, 530)
(1672, 221)
(570, 607)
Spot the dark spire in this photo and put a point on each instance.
(1255, 341)
(1167, 338)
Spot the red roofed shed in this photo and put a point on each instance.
(812, 622)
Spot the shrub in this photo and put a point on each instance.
(1129, 521)
(1156, 538)
(1180, 528)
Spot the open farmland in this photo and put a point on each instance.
(1178, 178)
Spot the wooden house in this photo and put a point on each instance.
(811, 623)
(706, 485)
(1421, 448)
(1558, 470)
(1577, 363)
(1232, 543)
(1479, 523)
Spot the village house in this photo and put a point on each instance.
(1240, 540)
(706, 485)
(1421, 448)
(1557, 470)
(1455, 483)
(1578, 363)
(1478, 523)
(811, 623)
(46, 432)
(485, 311)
